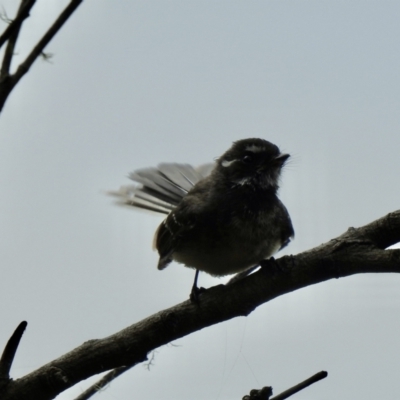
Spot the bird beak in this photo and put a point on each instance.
(281, 159)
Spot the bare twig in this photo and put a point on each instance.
(266, 392)
(44, 41)
(108, 378)
(4, 17)
(23, 13)
(8, 355)
(12, 40)
(150, 360)
(47, 56)
(302, 385)
(8, 82)
(103, 382)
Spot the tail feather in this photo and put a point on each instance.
(161, 189)
(156, 183)
(129, 196)
(182, 175)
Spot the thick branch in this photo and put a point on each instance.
(356, 251)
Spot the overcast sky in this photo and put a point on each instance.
(135, 83)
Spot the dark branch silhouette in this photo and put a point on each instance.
(360, 250)
(263, 394)
(7, 80)
(302, 385)
(15, 25)
(8, 355)
(103, 382)
(266, 392)
(22, 14)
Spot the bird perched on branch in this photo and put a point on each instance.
(222, 218)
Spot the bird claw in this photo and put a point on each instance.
(271, 266)
(195, 294)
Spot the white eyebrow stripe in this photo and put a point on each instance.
(254, 148)
(227, 163)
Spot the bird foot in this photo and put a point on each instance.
(271, 266)
(195, 294)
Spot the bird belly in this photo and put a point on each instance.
(226, 257)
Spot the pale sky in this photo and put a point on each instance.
(135, 83)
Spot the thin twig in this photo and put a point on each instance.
(8, 355)
(22, 14)
(287, 393)
(150, 362)
(12, 40)
(102, 382)
(44, 41)
(8, 82)
(4, 17)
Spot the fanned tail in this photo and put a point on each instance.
(161, 189)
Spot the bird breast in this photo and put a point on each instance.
(232, 250)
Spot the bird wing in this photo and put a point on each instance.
(181, 221)
(161, 189)
(287, 234)
(170, 232)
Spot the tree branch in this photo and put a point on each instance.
(9, 52)
(356, 251)
(302, 385)
(44, 41)
(103, 382)
(22, 14)
(266, 392)
(8, 82)
(8, 355)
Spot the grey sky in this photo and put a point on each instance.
(136, 83)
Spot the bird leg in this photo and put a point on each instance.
(194, 294)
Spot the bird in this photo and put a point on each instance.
(222, 218)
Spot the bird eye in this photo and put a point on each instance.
(247, 159)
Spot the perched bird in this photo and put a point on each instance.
(223, 218)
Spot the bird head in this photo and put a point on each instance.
(253, 163)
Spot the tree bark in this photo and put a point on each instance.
(356, 251)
